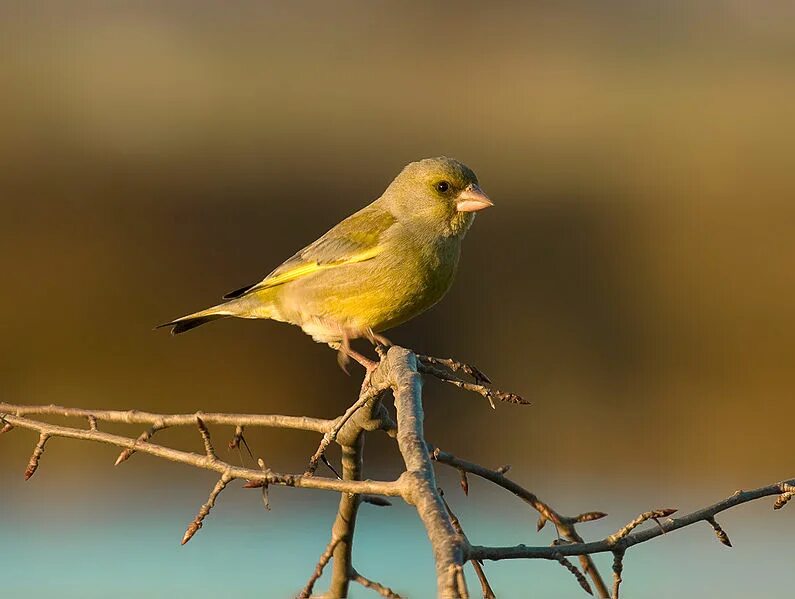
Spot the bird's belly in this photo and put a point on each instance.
(372, 296)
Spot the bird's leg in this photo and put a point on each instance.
(345, 354)
(377, 340)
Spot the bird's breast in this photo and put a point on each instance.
(407, 286)
(378, 294)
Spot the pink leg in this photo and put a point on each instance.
(377, 339)
(345, 354)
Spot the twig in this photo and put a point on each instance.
(6, 425)
(205, 509)
(351, 439)
(398, 369)
(318, 425)
(456, 366)
(143, 438)
(33, 463)
(488, 593)
(256, 477)
(565, 525)
(628, 528)
(482, 389)
(719, 532)
(783, 499)
(618, 568)
(208, 444)
(236, 438)
(324, 559)
(375, 586)
(635, 538)
(575, 571)
(368, 394)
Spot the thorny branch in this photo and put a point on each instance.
(398, 371)
(565, 525)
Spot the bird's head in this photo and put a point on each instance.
(440, 193)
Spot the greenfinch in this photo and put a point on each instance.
(378, 268)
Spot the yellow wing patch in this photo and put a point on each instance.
(307, 268)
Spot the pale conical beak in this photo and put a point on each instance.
(472, 199)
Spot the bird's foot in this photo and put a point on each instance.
(345, 354)
(379, 341)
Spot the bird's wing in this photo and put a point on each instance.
(355, 239)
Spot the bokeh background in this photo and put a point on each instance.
(635, 279)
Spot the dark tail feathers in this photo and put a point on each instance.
(182, 325)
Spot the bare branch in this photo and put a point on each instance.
(609, 544)
(618, 568)
(205, 509)
(256, 477)
(33, 463)
(375, 586)
(349, 434)
(351, 440)
(368, 394)
(575, 571)
(325, 558)
(456, 366)
(208, 444)
(317, 425)
(421, 491)
(488, 593)
(399, 370)
(564, 524)
(480, 388)
(143, 438)
(652, 515)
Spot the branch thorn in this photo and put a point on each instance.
(33, 463)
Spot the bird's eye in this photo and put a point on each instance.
(442, 186)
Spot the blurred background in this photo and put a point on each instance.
(635, 279)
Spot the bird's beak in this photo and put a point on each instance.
(472, 199)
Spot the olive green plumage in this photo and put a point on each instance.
(376, 269)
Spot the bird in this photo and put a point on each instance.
(378, 268)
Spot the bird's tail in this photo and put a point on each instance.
(226, 310)
(258, 305)
(191, 321)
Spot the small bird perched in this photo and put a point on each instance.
(378, 268)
